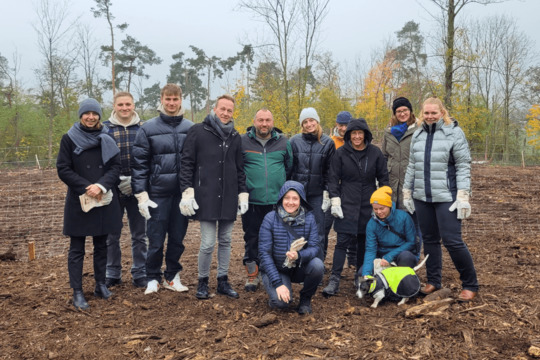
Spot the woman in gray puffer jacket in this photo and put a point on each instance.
(437, 186)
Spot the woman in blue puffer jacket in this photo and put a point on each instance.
(291, 220)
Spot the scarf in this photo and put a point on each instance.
(398, 130)
(85, 139)
(298, 218)
(224, 130)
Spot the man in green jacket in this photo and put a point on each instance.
(267, 164)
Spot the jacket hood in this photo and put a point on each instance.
(135, 119)
(299, 188)
(358, 124)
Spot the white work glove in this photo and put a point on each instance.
(408, 201)
(243, 203)
(188, 205)
(125, 185)
(325, 201)
(144, 204)
(335, 210)
(462, 205)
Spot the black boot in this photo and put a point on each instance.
(78, 300)
(224, 288)
(304, 307)
(102, 291)
(202, 289)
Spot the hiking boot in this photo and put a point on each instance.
(224, 288)
(333, 286)
(152, 287)
(102, 291)
(253, 279)
(202, 289)
(110, 282)
(140, 282)
(174, 284)
(78, 300)
(304, 307)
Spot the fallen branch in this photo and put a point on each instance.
(473, 308)
(427, 308)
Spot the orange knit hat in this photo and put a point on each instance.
(382, 196)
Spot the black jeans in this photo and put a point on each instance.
(437, 223)
(76, 259)
(251, 224)
(340, 252)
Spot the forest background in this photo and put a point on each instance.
(485, 67)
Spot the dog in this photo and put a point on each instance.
(394, 282)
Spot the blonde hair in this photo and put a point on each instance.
(436, 101)
(318, 132)
(122, 94)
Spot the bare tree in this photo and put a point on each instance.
(88, 58)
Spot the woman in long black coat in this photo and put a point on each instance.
(356, 168)
(89, 163)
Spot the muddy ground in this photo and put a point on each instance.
(38, 321)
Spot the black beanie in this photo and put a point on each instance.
(399, 102)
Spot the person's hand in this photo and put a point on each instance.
(283, 293)
(243, 203)
(336, 210)
(94, 191)
(325, 200)
(408, 200)
(188, 205)
(125, 185)
(145, 204)
(384, 262)
(462, 205)
(292, 255)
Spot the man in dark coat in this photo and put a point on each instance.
(155, 180)
(356, 168)
(214, 188)
(89, 164)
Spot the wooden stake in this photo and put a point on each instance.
(31, 251)
(37, 162)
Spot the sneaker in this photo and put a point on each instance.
(174, 284)
(152, 287)
(140, 282)
(254, 278)
(110, 282)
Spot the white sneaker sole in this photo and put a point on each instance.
(151, 290)
(177, 288)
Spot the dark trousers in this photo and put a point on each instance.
(251, 224)
(310, 274)
(404, 258)
(166, 221)
(437, 223)
(340, 252)
(76, 259)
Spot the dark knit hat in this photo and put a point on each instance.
(399, 102)
(90, 105)
(344, 117)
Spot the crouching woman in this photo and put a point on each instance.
(292, 219)
(89, 164)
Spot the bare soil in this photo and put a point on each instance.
(38, 321)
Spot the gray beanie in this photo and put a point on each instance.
(309, 113)
(90, 105)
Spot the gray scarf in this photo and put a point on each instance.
(224, 130)
(85, 140)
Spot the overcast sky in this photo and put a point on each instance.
(352, 29)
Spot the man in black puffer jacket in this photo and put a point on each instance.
(155, 180)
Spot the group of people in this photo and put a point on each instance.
(287, 191)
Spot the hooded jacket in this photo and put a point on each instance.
(275, 240)
(353, 178)
(383, 242)
(439, 163)
(311, 162)
(214, 168)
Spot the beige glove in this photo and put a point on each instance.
(188, 205)
(335, 210)
(296, 245)
(462, 205)
(88, 202)
(243, 203)
(408, 201)
(145, 204)
(325, 200)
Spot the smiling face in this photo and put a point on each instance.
(124, 108)
(171, 104)
(291, 201)
(224, 110)
(403, 114)
(357, 139)
(432, 113)
(310, 125)
(264, 124)
(341, 129)
(381, 211)
(90, 119)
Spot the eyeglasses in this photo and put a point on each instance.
(399, 112)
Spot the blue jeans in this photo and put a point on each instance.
(137, 227)
(437, 223)
(316, 203)
(166, 221)
(311, 275)
(208, 242)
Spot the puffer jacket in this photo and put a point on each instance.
(275, 240)
(439, 163)
(353, 178)
(397, 153)
(382, 242)
(266, 168)
(311, 162)
(156, 156)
